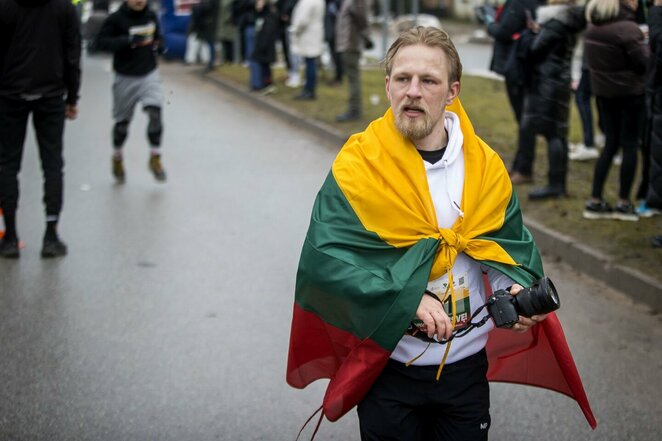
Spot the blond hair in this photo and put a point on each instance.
(602, 10)
(431, 37)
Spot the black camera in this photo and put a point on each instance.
(505, 308)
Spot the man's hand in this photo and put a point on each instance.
(523, 324)
(435, 320)
(70, 111)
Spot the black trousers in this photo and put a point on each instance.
(408, 404)
(526, 141)
(623, 118)
(48, 121)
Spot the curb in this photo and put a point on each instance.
(589, 261)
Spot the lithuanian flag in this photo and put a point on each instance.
(374, 243)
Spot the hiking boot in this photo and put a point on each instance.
(348, 116)
(580, 152)
(156, 168)
(625, 211)
(305, 95)
(548, 192)
(53, 248)
(598, 210)
(9, 248)
(118, 169)
(518, 178)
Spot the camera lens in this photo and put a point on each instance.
(541, 298)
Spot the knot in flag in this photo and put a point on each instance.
(453, 240)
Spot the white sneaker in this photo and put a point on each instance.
(293, 80)
(269, 90)
(582, 153)
(599, 140)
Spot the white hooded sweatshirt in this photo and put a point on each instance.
(446, 183)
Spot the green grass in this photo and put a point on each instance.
(486, 103)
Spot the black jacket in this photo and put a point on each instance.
(204, 17)
(39, 49)
(546, 106)
(654, 196)
(267, 25)
(617, 55)
(510, 22)
(122, 32)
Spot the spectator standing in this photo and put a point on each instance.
(203, 24)
(351, 35)
(243, 16)
(547, 101)
(330, 19)
(226, 31)
(40, 46)
(587, 149)
(617, 56)
(284, 8)
(509, 23)
(132, 34)
(653, 203)
(307, 40)
(266, 33)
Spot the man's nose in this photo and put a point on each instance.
(414, 89)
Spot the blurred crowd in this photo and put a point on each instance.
(616, 93)
(621, 46)
(303, 30)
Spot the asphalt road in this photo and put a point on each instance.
(169, 319)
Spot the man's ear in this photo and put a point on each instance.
(387, 81)
(454, 90)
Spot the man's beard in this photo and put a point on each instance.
(413, 128)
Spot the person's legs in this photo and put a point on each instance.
(285, 44)
(557, 154)
(154, 133)
(388, 411)
(311, 75)
(351, 63)
(125, 98)
(522, 169)
(48, 120)
(255, 75)
(515, 92)
(583, 101)
(337, 61)
(408, 403)
(212, 54)
(151, 96)
(632, 117)
(610, 112)
(308, 92)
(13, 125)
(460, 408)
(249, 42)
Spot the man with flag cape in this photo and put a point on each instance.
(418, 220)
